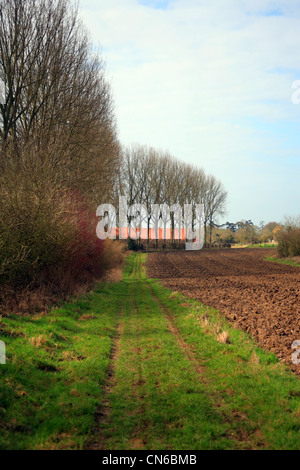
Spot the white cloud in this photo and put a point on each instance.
(196, 79)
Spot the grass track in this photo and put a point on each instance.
(288, 261)
(146, 363)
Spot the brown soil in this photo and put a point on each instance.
(258, 296)
(102, 416)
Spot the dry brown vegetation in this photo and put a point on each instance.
(289, 242)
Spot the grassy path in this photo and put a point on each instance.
(136, 366)
(176, 387)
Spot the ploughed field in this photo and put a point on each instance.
(259, 296)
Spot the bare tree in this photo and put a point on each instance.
(57, 101)
(214, 202)
(164, 184)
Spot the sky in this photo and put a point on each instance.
(213, 82)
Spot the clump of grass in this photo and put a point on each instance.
(87, 316)
(204, 320)
(254, 359)
(223, 337)
(175, 294)
(38, 341)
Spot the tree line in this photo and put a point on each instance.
(59, 147)
(149, 176)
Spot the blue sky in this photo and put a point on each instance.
(213, 86)
(160, 5)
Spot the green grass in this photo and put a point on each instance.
(56, 364)
(259, 396)
(262, 245)
(172, 384)
(288, 261)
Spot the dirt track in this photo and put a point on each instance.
(258, 296)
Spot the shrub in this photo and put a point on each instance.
(113, 254)
(48, 241)
(289, 242)
(132, 245)
(46, 235)
(84, 255)
(33, 228)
